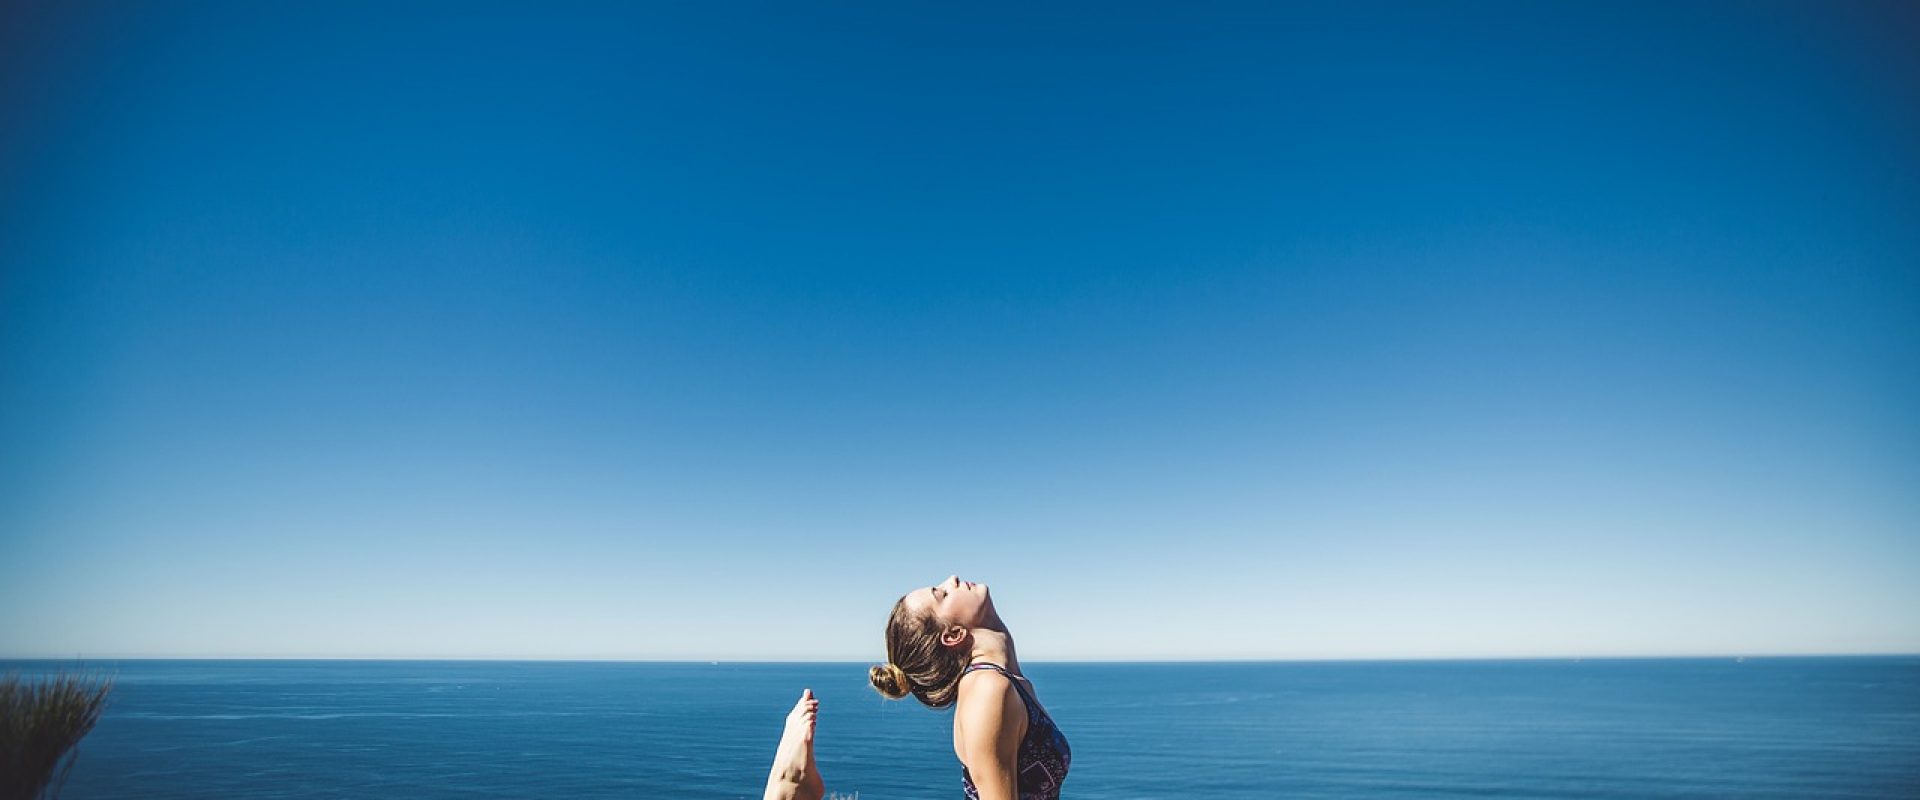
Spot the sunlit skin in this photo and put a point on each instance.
(988, 722)
(794, 776)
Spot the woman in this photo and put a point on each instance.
(946, 646)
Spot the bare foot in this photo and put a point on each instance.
(794, 776)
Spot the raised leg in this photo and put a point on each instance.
(794, 776)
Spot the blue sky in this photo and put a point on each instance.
(691, 331)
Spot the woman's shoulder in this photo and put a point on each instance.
(988, 679)
(987, 695)
(986, 675)
(988, 713)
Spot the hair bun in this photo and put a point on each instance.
(890, 680)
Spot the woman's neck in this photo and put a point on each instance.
(994, 647)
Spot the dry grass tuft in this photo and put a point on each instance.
(40, 723)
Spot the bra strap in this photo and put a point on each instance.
(995, 667)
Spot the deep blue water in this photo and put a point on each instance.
(1762, 728)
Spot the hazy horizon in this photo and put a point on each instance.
(855, 661)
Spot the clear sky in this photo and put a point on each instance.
(705, 330)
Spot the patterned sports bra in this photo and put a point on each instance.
(1043, 758)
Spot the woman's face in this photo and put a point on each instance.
(954, 602)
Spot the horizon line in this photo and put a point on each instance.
(1237, 660)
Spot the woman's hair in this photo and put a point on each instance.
(917, 663)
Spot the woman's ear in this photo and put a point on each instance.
(954, 635)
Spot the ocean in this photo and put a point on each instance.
(1606, 728)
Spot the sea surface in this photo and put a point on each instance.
(1758, 728)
